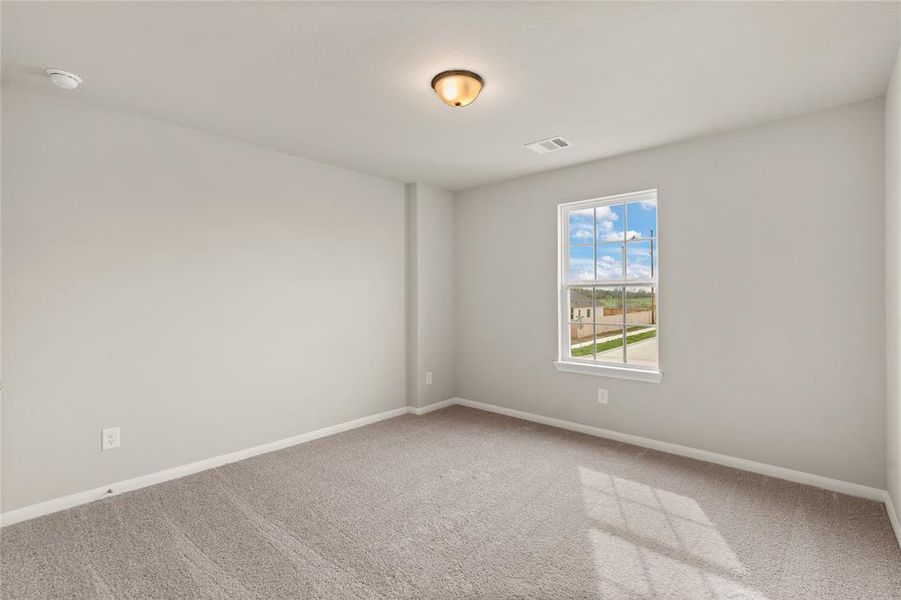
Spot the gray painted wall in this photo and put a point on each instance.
(430, 297)
(892, 284)
(771, 294)
(195, 291)
(204, 295)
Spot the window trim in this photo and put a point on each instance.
(565, 363)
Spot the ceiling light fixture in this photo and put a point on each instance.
(457, 88)
(63, 79)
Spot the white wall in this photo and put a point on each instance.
(204, 295)
(430, 297)
(892, 284)
(191, 290)
(771, 295)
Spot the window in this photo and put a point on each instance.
(608, 267)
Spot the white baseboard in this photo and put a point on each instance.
(827, 483)
(430, 407)
(58, 504)
(835, 485)
(893, 517)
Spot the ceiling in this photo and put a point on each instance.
(348, 83)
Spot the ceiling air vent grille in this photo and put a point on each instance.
(553, 144)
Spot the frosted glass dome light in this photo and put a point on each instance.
(457, 88)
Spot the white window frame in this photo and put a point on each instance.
(589, 366)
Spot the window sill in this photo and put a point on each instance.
(610, 371)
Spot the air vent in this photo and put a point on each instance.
(553, 144)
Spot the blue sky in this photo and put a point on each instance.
(611, 220)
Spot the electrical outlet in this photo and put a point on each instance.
(602, 396)
(428, 378)
(109, 438)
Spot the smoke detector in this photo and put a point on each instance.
(64, 79)
(554, 144)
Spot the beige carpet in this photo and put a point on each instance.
(460, 504)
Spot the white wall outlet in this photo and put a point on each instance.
(602, 396)
(109, 438)
(428, 378)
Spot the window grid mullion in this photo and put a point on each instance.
(594, 238)
(594, 326)
(625, 233)
(594, 291)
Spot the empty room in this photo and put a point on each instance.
(439, 300)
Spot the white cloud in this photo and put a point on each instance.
(605, 213)
(609, 268)
(638, 259)
(617, 236)
(581, 226)
(581, 269)
(606, 217)
(638, 271)
(581, 233)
